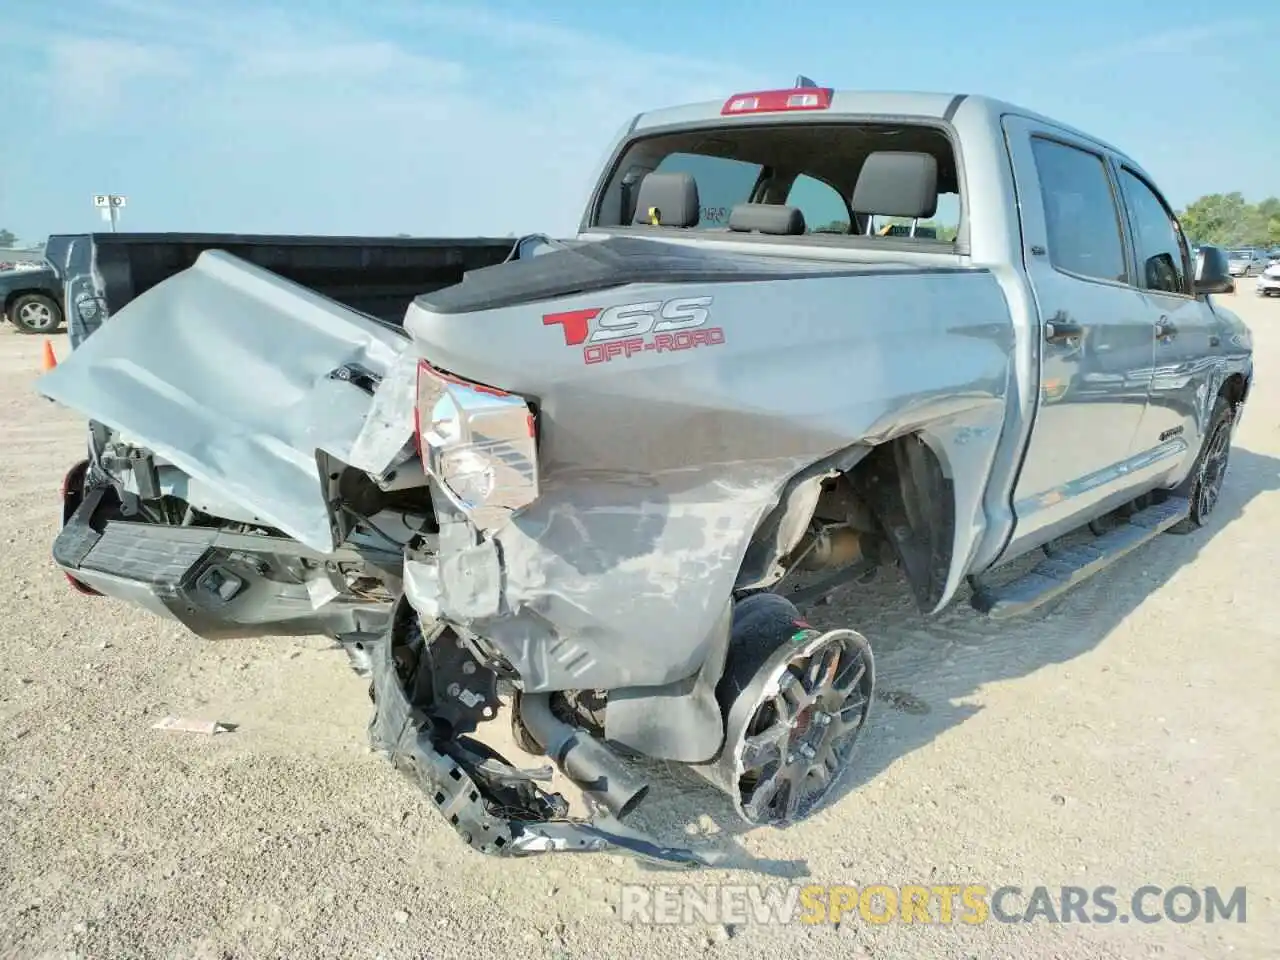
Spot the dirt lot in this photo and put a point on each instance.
(1120, 740)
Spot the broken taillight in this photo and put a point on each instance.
(479, 443)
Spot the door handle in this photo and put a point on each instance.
(1062, 331)
(1166, 329)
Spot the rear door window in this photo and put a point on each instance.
(1080, 212)
(722, 183)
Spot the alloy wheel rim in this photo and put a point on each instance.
(36, 316)
(800, 739)
(1214, 469)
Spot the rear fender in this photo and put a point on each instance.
(671, 478)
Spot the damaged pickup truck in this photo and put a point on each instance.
(798, 330)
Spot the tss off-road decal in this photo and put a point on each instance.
(628, 329)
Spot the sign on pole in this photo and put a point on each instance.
(109, 204)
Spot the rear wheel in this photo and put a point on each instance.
(1203, 486)
(35, 313)
(794, 700)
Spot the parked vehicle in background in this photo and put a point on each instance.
(31, 296)
(1268, 282)
(1273, 255)
(573, 488)
(1246, 262)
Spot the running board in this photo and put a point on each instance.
(1072, 565)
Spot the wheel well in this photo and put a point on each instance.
(909, 495)
(1235, 388)
(895, 496)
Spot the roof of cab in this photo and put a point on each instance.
(941, 106)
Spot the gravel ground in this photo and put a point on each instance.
(1118, 740)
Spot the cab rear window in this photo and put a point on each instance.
(813, 168)
(722, 182)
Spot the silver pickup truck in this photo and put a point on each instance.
(799, 330)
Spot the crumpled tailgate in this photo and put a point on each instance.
(231, 373)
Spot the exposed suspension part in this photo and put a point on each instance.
(427, 700)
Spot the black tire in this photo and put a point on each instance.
(1203, 486)
(35, 313)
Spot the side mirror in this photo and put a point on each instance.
(1212, 272)
(1162, 273)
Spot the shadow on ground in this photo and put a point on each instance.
(926, 668)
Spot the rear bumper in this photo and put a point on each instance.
(125, 560)
(219, 585)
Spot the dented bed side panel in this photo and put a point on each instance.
(660, 458)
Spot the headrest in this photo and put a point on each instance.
(897, 184)
(674, 197)
(767, 218)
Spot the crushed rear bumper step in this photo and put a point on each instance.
(145, 553)
(218, 584)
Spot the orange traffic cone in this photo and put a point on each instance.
(48, 359)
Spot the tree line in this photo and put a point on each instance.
(1228, 220)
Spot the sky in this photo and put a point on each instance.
(490, 117)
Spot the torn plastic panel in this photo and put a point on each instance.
(495, 808)
(233, 375)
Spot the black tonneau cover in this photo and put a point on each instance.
(583, 267)
(380, 276)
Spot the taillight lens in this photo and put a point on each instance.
(777, 101)
(479, 443)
